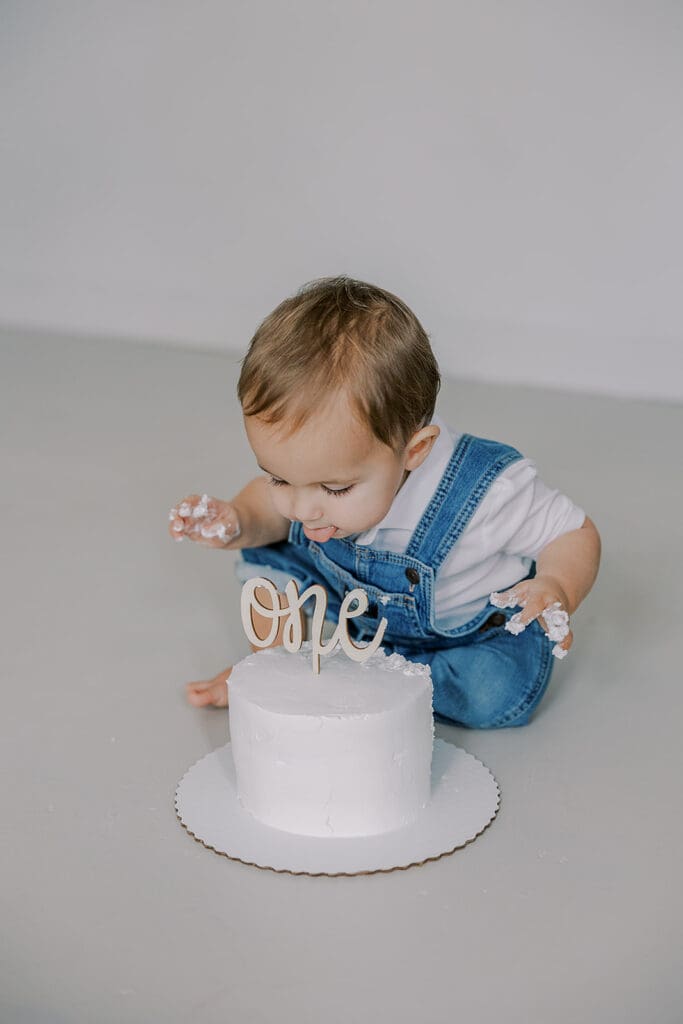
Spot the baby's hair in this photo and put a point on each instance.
(339, 334)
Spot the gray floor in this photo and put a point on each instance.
(567, 909)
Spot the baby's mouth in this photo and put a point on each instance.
(320, 534)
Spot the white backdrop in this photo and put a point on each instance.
(171, 170)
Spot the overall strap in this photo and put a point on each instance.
(473, 466)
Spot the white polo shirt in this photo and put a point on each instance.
(515, 520)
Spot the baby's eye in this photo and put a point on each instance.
(276, 482)
(338, 493)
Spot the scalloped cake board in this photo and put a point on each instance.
(465, 799)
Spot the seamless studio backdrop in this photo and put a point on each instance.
(169, 172)
(511, 170)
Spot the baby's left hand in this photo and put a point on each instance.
(544, 599)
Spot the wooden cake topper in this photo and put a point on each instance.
(293, 635)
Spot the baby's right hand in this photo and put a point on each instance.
(206, 520)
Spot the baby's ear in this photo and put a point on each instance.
(420, 445)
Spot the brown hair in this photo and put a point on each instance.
(338, 333)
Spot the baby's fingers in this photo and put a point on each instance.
(195, 507)
(561, 649)
(552, 618)
(190, 515)
(223, 530)
(518, 622)
(555, 622)
(513, 598)
(176, 525)
(509, 598)
(532, 609)
(214, 523)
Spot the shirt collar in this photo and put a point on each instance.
(412, 499)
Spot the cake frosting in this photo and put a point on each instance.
(347, 752)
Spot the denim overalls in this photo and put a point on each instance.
(483, 676)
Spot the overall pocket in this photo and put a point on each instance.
(400, 610)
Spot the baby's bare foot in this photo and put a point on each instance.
(209, 691)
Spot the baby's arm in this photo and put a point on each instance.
(249, 520)
(565, 572)
(571, 562)
(259, 520)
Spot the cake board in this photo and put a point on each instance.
(464, 800)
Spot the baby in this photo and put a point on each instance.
(474, 562)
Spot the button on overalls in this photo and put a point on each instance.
(483, 676)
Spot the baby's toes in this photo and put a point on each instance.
(198, 694)
(213, 692)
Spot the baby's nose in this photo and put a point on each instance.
(305, 508)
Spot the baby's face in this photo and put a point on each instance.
(331, 474)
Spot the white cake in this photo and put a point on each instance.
(344, 753)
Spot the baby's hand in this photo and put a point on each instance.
(206, 520)
(541, 598)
